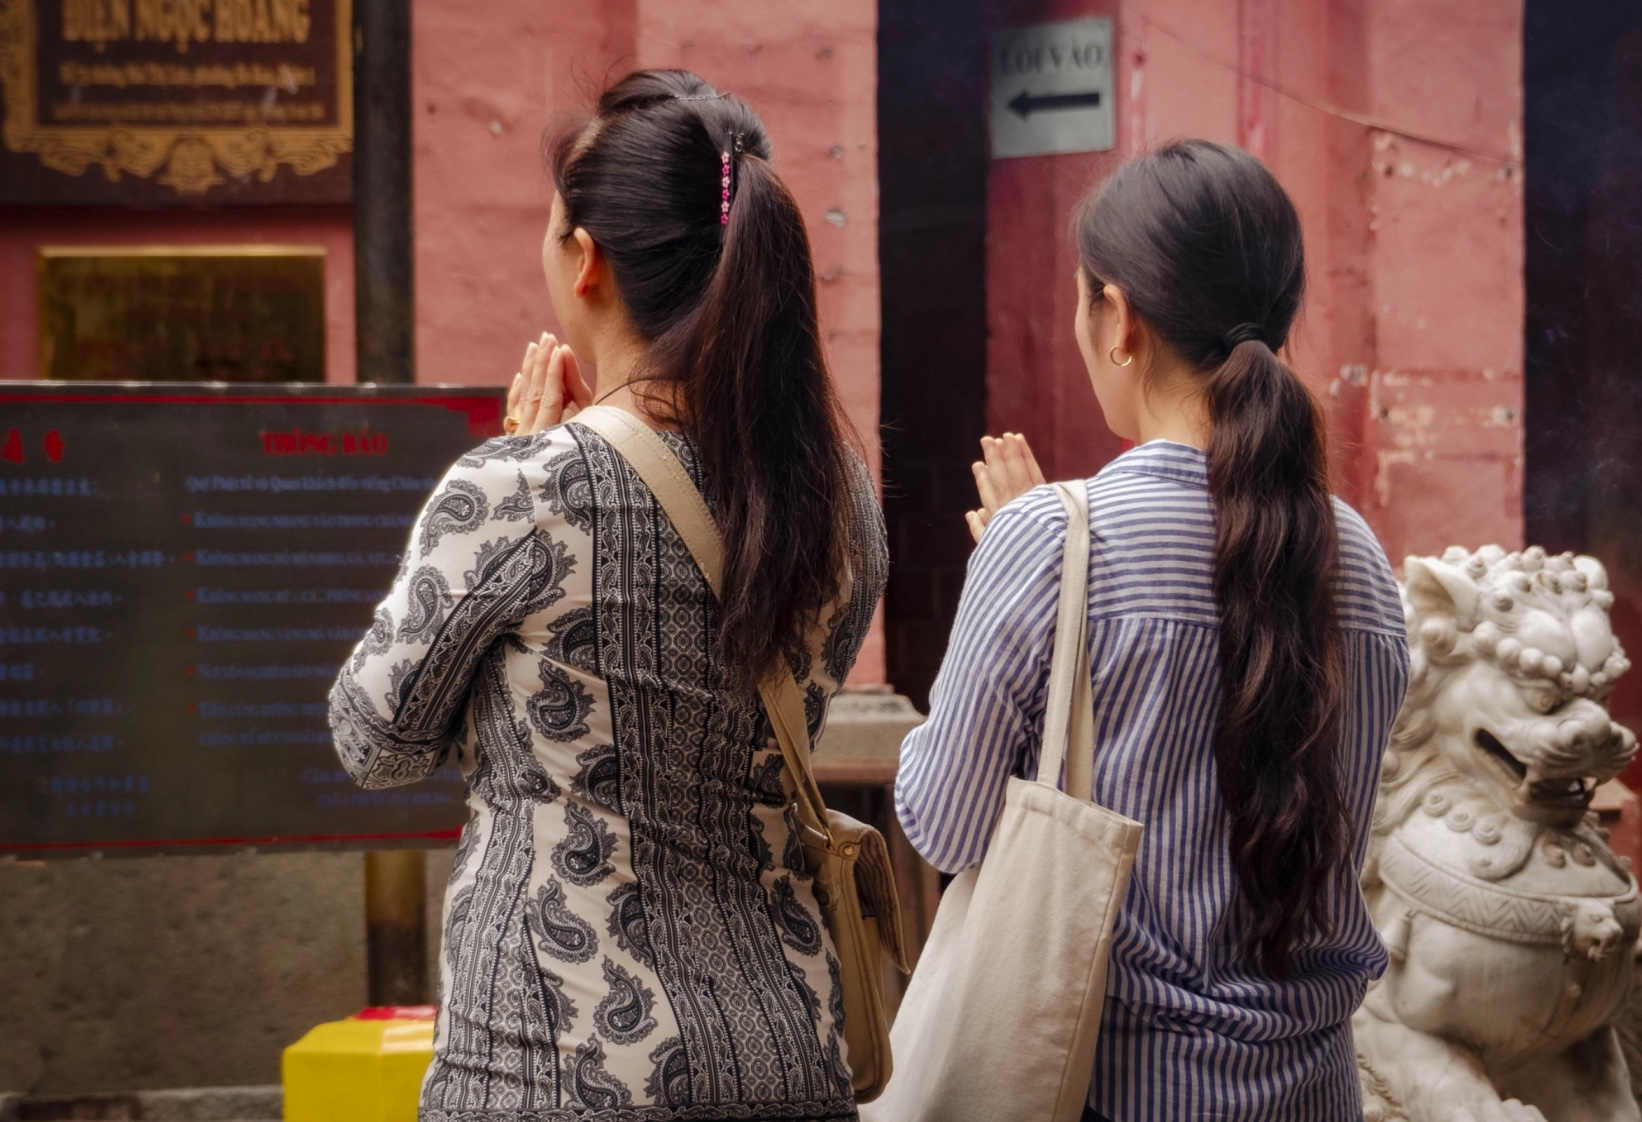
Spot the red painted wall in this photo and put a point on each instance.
(484, 90)
(1396, 127)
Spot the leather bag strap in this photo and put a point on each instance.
(677, 495)
(1069, 720)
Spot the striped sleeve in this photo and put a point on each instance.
(986, 707)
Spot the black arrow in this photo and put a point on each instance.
(1024, 103)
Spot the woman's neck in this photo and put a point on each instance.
(1175, 409)
(1189, 426)
(622, 383)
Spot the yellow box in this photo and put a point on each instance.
(367, 1068)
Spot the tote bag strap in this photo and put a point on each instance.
(1069, 720)
(677, 495)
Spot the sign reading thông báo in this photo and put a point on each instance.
(1052, 89)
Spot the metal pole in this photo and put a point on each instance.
(385, 321)
(384, 292)
(396, 935)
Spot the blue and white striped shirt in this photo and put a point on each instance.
(1193, 1029)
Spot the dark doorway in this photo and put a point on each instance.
(1582, 78)
(932, 167)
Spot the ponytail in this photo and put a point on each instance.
(757, 399)
(717, 278)
(1207, 248)
(1281, 659)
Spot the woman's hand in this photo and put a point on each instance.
(548, 389)
(1008, 471)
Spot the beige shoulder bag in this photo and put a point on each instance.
(850, 862)
(1001, 1017)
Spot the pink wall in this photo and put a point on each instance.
(23, 230)
(484, 90)
(1413, 330)
(1446, 261)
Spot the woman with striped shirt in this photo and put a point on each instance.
(1248, 652)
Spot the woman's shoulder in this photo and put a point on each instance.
(1039, 512)
(861, 484)
(868, 538)
(502, 482)
(1367, 593)
(1025, 537)
(503, 456)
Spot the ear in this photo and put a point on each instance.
(1125, 327)
(1437, 588)
(590, 268)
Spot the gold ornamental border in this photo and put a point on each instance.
(188, 158)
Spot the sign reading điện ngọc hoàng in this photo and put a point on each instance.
(144, 102)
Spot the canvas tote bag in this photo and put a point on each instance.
(1000, 1019)
(854, 883)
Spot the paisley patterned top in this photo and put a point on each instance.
(630, 935)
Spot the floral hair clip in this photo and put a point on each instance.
(724, 182)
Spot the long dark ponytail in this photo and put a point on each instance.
(725, 297)
(1207, 248)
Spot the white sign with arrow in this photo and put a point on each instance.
(1052, 89)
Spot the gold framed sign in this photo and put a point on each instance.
(155, 101)
(207, 313)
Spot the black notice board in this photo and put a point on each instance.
(183, 568)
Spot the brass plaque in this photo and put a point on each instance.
(155, 101)
(183, 314)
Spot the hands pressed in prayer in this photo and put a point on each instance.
(1008, 471)
(548, 389)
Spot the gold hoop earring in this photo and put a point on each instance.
(1112, 354)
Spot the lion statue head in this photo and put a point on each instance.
(1512, 660)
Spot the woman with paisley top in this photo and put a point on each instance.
(630, 932)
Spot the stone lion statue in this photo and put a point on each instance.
(1512, 926)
